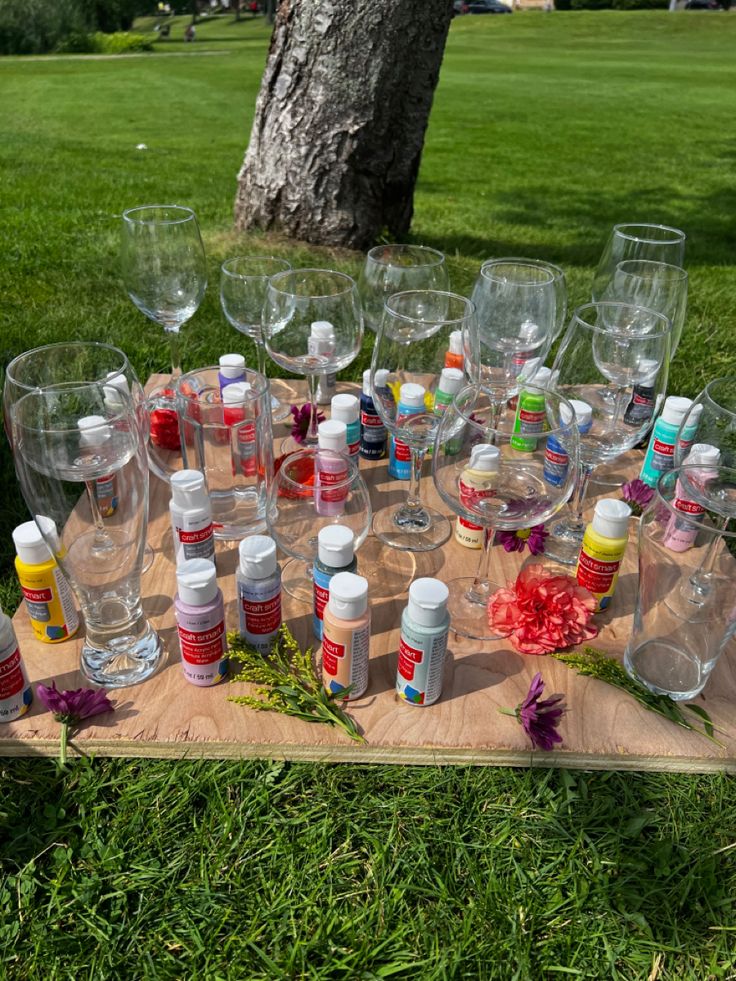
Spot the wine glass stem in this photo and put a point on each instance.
(413, 498)
(577, 504)
(495, 418)
(175, 349)
(261, 357)
(312, 431)
(480, 590)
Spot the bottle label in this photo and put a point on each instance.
(202, 646)
(15, 691)
(37, 603)
(470, 498)
(402, 453)
(262, 616)
(344, 665)
(107, 502)
(556, 462)
(641, 406)
(531, 421)
(49, 603)
(326, 479)
(196, 543)
(421, 665)
(247, 448)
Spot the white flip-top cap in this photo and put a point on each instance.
(583, 412)
(332, 435)
(428, 602)
(258, 557)
(188, 490)
(29, 543)
(348, 596)
(94, 431)
(322, 330)
(197, 582)
(116, 390)
(451, 381)
(611, 518)
(530, 368)
(412, 395)
(381, 377)
(367, 381)
(695, 416)
(345, 408)
(235, 394)
(675, 409)
(456, 342)
(541, 377)
(704, 453)
(232, 365)
(336, 546)
(648, 369)
(527, 330)
(485, 457)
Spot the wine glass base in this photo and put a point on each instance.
(468, 608)
(411, 530)
(389, 571)
(563, 543)
(127, 660)
(296, 580)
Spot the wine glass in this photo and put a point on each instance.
(299, 506)
(491, 485)
(656, 285)
(412, 387)
(312, 325)
(243, 282)
(560, 283)
(390, 269)
(658, 243)
(517, 311)
(609, 348)
(164, 267)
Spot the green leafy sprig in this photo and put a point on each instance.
(596, 664)
(288, 681)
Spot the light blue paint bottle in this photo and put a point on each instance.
(335, 553)
(411, 403)
(425, 624)
(346, 408)
(660, 455)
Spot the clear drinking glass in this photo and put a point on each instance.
(658, 243)
(312, 325)
(243, 282)
(299, 507)
(411, 349)
(677, 640)
(390, 269)
(164, 267)
(75, 447)
(607, 350)
(655, 285)
(560, 282)
(493, 485)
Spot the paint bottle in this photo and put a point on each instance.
(425, 624)
(455, 356)
(476, 482)
(604, 544)
(94, 432)
(641, 406)
(411, 403)
(322, 343)
(191, 517)
(346, 636)
(335, 553)
(232, 370)
(680, 535)
(200, 622)
(372, 429)
(237, 411)
(46, 592)
(259, 592)
(660, 453)
(346, 408)
(556, 460)
(15, 689)
(531, 413)
(449, 384)
(331, 468)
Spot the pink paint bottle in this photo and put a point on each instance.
(331, 469)
(200, 621)
(346, 635)
(680, 534)
(237, 413)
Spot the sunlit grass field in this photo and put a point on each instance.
(546, 129)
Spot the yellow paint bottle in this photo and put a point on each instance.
(46, 592)
(604, 544)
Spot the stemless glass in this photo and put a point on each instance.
(298, 508)
(164, 267)
(655, 285)
(411, 349)
(243, 282)
(296, 301)
(659, 243)
(517, 311)
(390, 269)
(68, 440)
(515, 494)
(608, 349)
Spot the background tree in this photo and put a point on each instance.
(340, 119)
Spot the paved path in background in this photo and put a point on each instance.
(110, 57)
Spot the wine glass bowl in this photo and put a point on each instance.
(390, 269)
(656, 243)
(716, 406)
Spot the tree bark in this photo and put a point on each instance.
(340, 119)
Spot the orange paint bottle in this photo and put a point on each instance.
(346, 635)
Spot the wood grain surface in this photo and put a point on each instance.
(166, 717)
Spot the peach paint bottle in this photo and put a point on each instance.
(346, 635)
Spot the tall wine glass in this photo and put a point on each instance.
(656, 285)
(392, 269)
(513, 493)
(658, 243)
(243, 282)
(410, 350)
(517, 310)
(560, 283)
(312, 325)
(164, 267)
(607, 350)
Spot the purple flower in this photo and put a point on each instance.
(71, 707)
(637, 495)
(514, 541)
(300, 426)
(539, 719)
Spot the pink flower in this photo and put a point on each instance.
(71, 707)
(637, 495)
(540, 719)
(541, 613)
(300, 426)
(514, 541)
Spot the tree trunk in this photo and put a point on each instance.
(340, 119)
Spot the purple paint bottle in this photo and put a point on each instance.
(200, 621)
(232, 370)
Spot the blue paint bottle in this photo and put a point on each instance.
(556, 460)
(411, 403)
(335, 553)
(372, 429)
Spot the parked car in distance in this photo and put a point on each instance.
(459, 7)
(488, 7)
(702, 5)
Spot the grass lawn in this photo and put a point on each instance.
(545, 130)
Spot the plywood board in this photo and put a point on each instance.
(166, 717)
